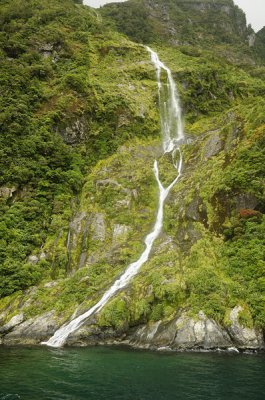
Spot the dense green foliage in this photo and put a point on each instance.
(79, 133)
(57, 119)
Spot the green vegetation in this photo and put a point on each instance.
(79, 135)
(204, 24)
(64, 106)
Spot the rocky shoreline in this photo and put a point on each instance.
(183, 333)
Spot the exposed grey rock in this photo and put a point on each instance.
(213, 146)
(165, 334)
(166, 243)
(245, 201)
(80, 227)
(33, 331)
(47, 47)
(192, 210)
(47, 54)
(183, 333)
(50, 50)
(226, 9)
(82, 259)
(29, 296)
(16, 320)
(205, 6)
(124, 203)
(51, 284)
(187, 235)
(202, 7)
(43, 256)
(251, 39)
(7, 192)
(122, 149)
(33, 260)
(242, 336)
(215, 336)
(150, 332)
(76, 223)
(202, 333)
(92, 259)
(3, 316)
(190, 333)
(113, 182)
(141, 111)
(107, 182)
(75, 228)
(98, 227)
(75, 131)
(134, 193)
(120, 233)
(154, 335)
(234, 133)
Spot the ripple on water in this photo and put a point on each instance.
(106, 373)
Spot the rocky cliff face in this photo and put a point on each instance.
(182, 333)
(185, 23)
(260, 44)
(184, 296)
(82, 124)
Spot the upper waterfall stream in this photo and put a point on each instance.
(172, 136)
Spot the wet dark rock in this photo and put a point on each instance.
(212, 146)
(187, 235)
(193, 210)
(93, 335)
(245, 201)
(33, 330)
(182, 333)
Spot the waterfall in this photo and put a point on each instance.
(172, 135)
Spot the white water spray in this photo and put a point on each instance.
(172, 135)
(170, 110)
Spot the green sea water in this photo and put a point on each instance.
(119, 374)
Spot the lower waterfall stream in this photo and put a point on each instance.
(172, 137)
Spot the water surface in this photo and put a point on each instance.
(118, 374)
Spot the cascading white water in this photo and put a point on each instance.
(170, 110)
(172, 135)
